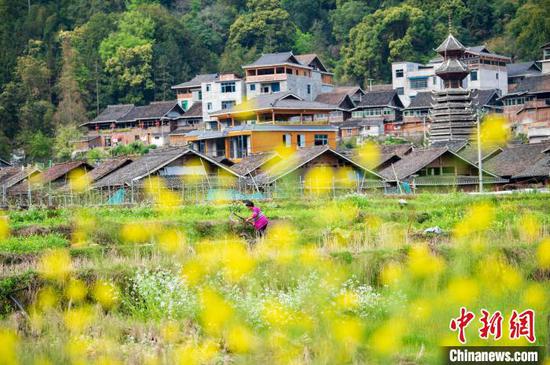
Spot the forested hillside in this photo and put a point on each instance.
(62, 61)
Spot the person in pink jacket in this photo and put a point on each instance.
(257, 219)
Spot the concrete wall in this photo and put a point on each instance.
(215, 97)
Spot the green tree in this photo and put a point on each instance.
(70, 110)
(264, 26)
(530, 29)
(388, 35)
(37, 146)
(128, 55)
(346, 16)
(63, 144)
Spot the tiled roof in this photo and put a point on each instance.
(298, 159)
(4, 163)
(306, 59)
(377, 98)
(196, 81)
(7, 172)
(450, 44)
(195, 111)
(155, 110)
(541, 168)
(270, 59)
(333, 98)
(396, 149)
(470, 153)
(454, 146)
(249, 164)
(149, 164)
(515, 159)
(350, 90)
(532, 84)
(59, 170)
(18, 177)
(522, 69)
(112, 113)
(107, 167)
(422, 100)
(483, 97)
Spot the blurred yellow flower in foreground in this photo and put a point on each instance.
(4, 227)
(76, 290)
(8, 345)
(47, 298)
(543, 254)
(462, 291)
(171, 241)
(535, 296)
(240, 339)
(78, 180)
(135, 233)
(319, 180)
(215, 313)
(106, 294)
(237, 261)
(495, 131)
(78, 319)
(369, 154)
(55, 265)
(386, 340)
(477, 219)
(529, 227)
(391, 273)
(422, 263)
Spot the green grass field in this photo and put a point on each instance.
(349, 281)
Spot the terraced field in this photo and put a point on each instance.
(349, 281)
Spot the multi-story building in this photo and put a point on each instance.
(384, 106)
(124, 124)
(545, 62)
(518, 71)
(487, 71)
(303, 75)
(215, 91)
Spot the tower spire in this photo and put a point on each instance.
(450, 22)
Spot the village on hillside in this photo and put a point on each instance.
(284, 116)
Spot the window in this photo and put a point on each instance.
(434, 80)
(280, 70)
(108, 141)
(209, 106)
(496, 75)
(320, 139)
(184, 104)
(287, 140)
(400, 91)
(228, 87)
(301, 140)
(275, 87)
(419, 83)
(399, 73)
(200, 95)
(207, 87)
(289, 71)
(308, 89)
(473, 75)
(228, 104)
(252, 87)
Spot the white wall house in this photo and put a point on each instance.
(224, 92)
(487, 71)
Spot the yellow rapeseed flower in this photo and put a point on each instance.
(79, 180)
(462, 291)
(76, 290)
(47, 298)
(216, 312)
(319, 180)
(8, 347)
(495, 131)
(386, 340)
(170, 331)
(171, 241)
(391, 273)
(348, 332)
(106, 294)
(78, 319)
(55, 265)
(477, 219)
(135, 232)
(193, 271)
(4, 227)
(529, 227)
(369, 154)
(240, 339)
(543, 254)
(535, 296)
(347, 300)
(422, 263)
(237, 261)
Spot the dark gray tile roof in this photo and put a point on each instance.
(451, 65)
(396, 149)
(541, 168)
(486, 97)
(298, 159)
(532, 84)
(7, 172)
(270, 59)
(454, 146)
(422, 100)
(350, 90)
(334, 98)
(378, 99)
(515, 159)
(4, 163)
(149, 164)
(112, 113)
(107, 167)
(522, 69)
(412, 163)
(250, 164)
(155, 110)
(195, 111)
(470, 153)
(450, 44)
(16, 179)
(196, 81)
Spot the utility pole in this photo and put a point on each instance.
(370, 83)
(479, 158)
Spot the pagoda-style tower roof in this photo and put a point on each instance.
(450, 45)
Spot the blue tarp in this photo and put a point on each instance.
(117, 197)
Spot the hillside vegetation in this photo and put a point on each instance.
(63, 61)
